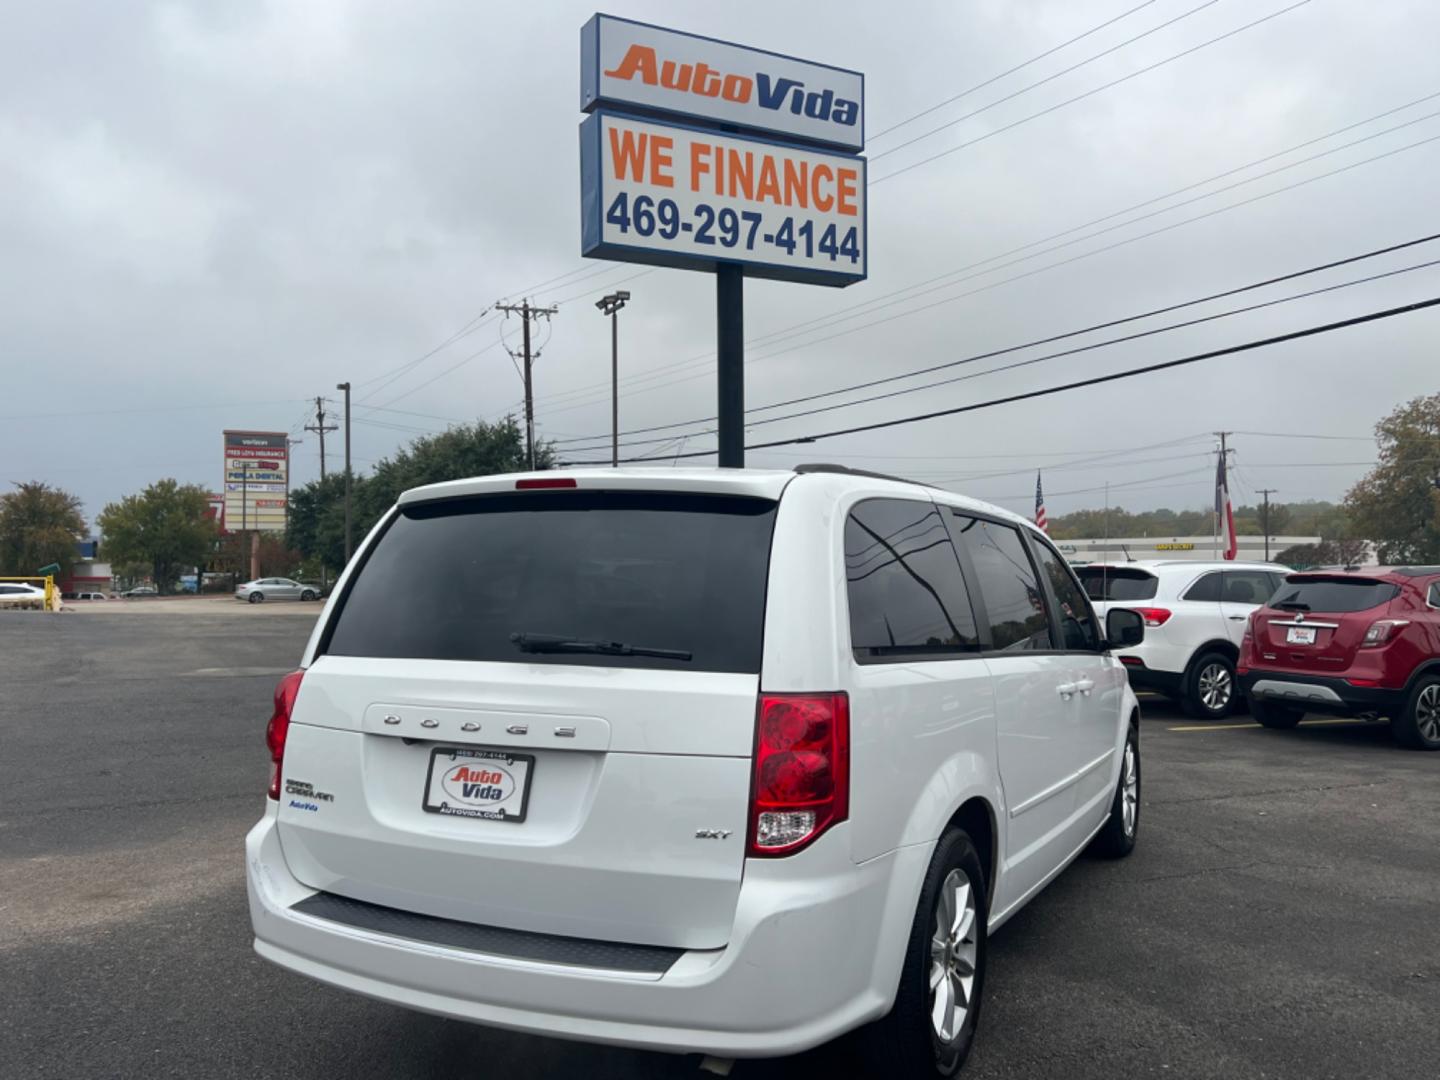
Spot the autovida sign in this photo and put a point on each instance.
(672, 175)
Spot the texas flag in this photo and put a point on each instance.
(1224, 515)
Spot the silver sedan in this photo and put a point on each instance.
(275, 588)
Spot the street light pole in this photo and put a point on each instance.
(611, 305)
(346, 387)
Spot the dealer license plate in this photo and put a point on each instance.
(1300, 635)
(489, 784)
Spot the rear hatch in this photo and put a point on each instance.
(1315, 623)
(436, 764)
(1117, 586)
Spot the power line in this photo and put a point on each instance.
(879, 303)
(1097, 380)
(1070, 334)
(1011, 71)
(1086, 94)
(1049, 78)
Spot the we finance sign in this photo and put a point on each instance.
(675, 195)
(639, 68)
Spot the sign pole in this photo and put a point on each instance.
(730, 365)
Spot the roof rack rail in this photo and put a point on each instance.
(846, 470)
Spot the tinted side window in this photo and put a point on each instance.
(1247, 586)
(906, 592)
(1006, 580)
(1207, 588)
(1077, 620)
(1433, 597)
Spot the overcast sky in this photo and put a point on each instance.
(211, 212)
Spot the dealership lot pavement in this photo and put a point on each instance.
(1277, 920)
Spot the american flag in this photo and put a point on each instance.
(1041, 522)
(1224, 515)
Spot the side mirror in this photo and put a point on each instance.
(1124, 629)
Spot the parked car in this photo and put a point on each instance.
(722, 761)
(1350, 643)
(141, 590)
(91, 596)
(16, 594)
(275, 588)
(1195, 615)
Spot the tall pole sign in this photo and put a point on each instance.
(704, 155)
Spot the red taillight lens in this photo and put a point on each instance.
(1154, 616)
(1381, 631)
(801, 784)
(548, 482)
(279, 726)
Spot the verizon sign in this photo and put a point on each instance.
(641, 68)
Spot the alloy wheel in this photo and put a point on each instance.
(952, 956)
(1427, 713)
(1130, 797)
(1215, 686)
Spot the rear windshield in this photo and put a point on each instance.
(1117, 583)
(454, 580)
(1333, 594)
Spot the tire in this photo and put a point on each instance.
(1210, 689)
(1117, 838)
(256, 598)
(906, 1042)
(1273, 715)
(306, 596)
(1418, 726)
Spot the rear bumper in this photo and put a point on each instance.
(815, 950)
(1320, 693)
(1147, 678)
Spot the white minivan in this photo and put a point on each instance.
(717, 761)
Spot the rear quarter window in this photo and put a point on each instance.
(453, 580)
(1334, 595)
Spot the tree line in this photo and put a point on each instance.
(165, 529)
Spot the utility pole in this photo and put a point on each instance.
(1215, 535)
(1265, 520)
(611, 305)
(346, 387)
(320, 428)
(527, 313)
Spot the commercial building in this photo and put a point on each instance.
(1187, 548)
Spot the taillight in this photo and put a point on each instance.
(279, 726)
(1381, 631)
(546, 483)
(1154, 616)
(801, 783)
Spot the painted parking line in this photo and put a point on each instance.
(1252, 724)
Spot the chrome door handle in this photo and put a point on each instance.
(1085, 686)
(1066, 690)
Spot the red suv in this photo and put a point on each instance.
(1351, 643)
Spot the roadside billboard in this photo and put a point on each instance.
(256, 471)
(651, 70)
(673, 195)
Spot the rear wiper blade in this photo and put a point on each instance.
(557, 643)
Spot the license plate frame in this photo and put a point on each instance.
(445, 793)
(1300, 635)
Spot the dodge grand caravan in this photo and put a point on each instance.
(729, 762)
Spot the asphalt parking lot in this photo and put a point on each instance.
(1277, 920)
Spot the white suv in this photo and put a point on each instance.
(721, 761)
(1195, 615)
